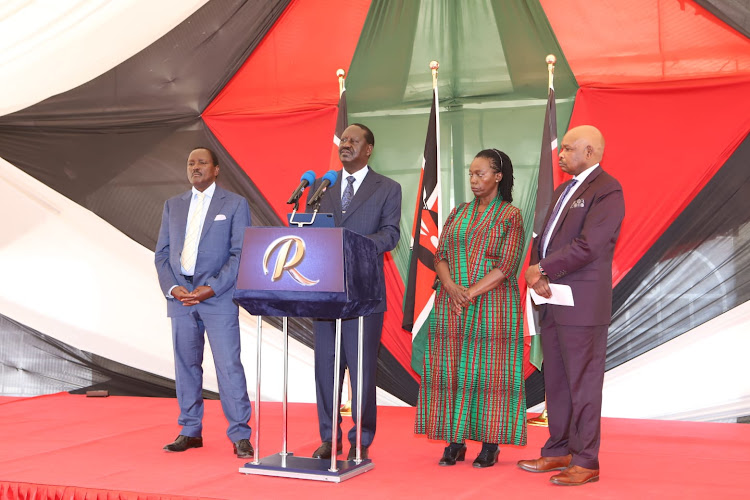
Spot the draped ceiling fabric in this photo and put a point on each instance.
(665, 80)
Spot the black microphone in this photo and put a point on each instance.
(306, 179)
(329, 179)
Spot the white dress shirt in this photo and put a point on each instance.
(359, 176)
(579, 181)
(209, 193)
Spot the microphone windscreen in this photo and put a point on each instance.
(331, 175)
(308, 176)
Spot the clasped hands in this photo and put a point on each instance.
(187, 298)
(459, 297)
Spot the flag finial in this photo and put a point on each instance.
(341, 74)
(434, 65)
(551, 60)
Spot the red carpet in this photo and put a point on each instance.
(72, 447)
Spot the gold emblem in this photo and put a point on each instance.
(285, 262)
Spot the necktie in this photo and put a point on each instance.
(348, 193)
(192, 235)
(553, 217)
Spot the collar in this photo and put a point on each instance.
(209, 192)
(359, 175)
(583, 175)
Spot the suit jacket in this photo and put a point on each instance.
(375, 212)
(581, 249)
(219, 250)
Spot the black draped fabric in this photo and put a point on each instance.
(33, 363)
(736, 13)
(698, 269)
(118, 144)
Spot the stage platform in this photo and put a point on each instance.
(73, 447)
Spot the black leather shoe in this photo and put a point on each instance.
(183, 443)
(363, 453)
(486, 458)
(453, 454)
(243, 449)
(324, 450)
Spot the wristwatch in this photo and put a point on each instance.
(541, 270)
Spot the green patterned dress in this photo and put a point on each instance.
(473, 385)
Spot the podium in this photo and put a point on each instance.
(326, 273)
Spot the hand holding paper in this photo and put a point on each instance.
(562, 295)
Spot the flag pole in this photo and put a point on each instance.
(346, 408)
(542, 420)
(434, 66)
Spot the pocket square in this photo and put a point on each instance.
(221, 217)
(577, 203)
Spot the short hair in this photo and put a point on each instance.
(369, 136)
(500, 162)
(214, 158)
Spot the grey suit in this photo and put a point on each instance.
(375, 212)
(216, 266)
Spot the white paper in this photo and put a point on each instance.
(531, 316)
(562, 295)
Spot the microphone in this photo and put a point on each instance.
(306, 179)
(329, 179)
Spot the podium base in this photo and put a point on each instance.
(314, 469)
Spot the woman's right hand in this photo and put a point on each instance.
(458, 296)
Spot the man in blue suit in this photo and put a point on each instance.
(197, 257)
(369, 204)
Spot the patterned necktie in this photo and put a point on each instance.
(553, 217)
(192, 235)
(348, 193)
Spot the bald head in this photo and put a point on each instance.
(581, 148)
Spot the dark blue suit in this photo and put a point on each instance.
(375, 212)
(216, 266)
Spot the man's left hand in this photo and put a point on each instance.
(200, 294)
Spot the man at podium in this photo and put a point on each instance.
(369, 204)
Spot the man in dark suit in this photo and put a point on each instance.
(369, 204)
(197, 257)
(576, 249)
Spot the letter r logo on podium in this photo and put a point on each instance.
(287, 259)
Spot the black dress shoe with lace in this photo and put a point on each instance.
(363, 453)
(487, 457)
(453, 454)
(324, 450)
(183, 443)
(243, 449)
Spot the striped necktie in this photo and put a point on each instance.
(346, 199)
(192, 235)
(553, 217)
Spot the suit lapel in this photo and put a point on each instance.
(217, 201)
(576, 194)
(182, 207)
(335, 199)
(368, 187)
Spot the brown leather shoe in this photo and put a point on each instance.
(545, 464)
(183, 443)
(575, 475)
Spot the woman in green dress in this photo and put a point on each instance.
(472, 383)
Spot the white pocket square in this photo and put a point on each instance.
(221, 217)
